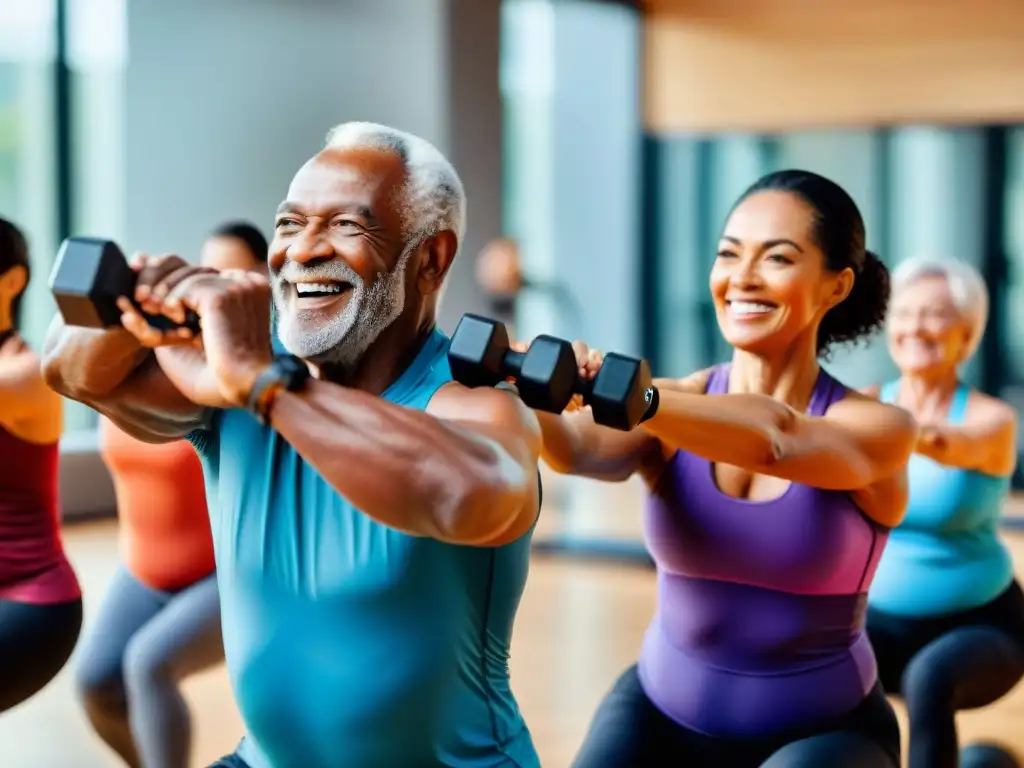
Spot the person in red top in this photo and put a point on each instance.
(160, 621)
(40, 600)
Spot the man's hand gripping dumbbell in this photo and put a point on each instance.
(92, 280)
(546, 374)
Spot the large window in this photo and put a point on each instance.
(97, 54)
(28, 194)
(570, 74)
(95, 60)
(920, 190)
(1013, 316)
(61, 137)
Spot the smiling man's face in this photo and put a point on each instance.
(339, 255)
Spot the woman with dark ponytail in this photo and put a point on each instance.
(40, 600)
(772, 491)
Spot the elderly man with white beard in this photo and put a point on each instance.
(371, 518)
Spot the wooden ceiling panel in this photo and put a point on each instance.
(789, 64)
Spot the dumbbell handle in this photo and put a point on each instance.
(102, 279)
(512, 363)
(163, 323)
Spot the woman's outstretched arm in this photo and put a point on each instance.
(985, 442)
(575, 445)
(859, 442)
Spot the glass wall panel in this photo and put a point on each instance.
(919, 190)
(96, 59)
(28, 194)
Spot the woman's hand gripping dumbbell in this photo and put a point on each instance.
(547, 375)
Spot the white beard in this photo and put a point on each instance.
(343, 338)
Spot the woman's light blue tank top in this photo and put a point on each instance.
(946, 555)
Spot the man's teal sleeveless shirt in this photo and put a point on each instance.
(349, 644)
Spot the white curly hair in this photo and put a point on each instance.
(434, 196)
(966, 286)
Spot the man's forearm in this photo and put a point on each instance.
(561, 442)
(80, 361)
(404, 468)
(575, 445)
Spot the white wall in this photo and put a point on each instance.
(28, 186)
(225, 99)
(210, 106)
(192, 112)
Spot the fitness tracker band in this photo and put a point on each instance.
(286, 372)
(652, 398)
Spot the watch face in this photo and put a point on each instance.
(292, 369)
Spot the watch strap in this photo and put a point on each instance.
(287, 373)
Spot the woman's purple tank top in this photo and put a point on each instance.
(760, 622)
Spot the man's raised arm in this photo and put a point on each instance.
(469, 461)
(116, 372)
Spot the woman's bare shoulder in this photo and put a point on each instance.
(984, 408)
(858, 404)
(694, 384)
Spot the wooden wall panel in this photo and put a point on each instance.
(790, 64)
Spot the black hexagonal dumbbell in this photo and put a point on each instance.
(621, 394)
(480, 356)
(88, 278)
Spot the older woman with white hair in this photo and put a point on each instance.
(945, 615)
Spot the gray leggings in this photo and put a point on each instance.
(143, 643)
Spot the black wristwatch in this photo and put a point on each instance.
(286, 372)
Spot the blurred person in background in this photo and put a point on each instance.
(235, 245)
(946, 615)
(40, 599)
(499, 273)
(160, 620)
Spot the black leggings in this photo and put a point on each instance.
(939, 666)
(35, 643)
(628, 731)
(229, 761)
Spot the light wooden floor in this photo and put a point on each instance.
(579, 626)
